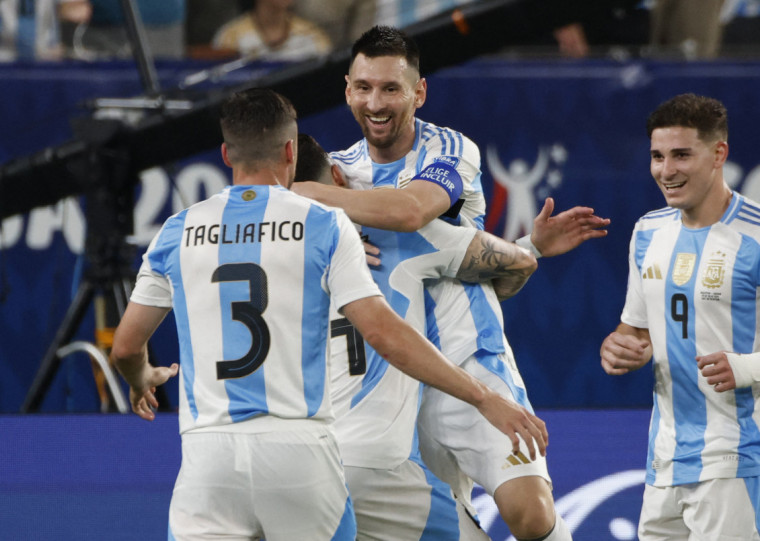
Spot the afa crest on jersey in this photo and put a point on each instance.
(715, 271)
(713, 276)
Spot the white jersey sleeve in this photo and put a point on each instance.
(634, 311)
(152, 288)
(443, 146)
(348, 274)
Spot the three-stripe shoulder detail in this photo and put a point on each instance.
(451, 141)
(748, 212)
(663, 213)
(351, 155)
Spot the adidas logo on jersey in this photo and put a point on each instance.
(404, 178)
(652, 273)
(515, 460)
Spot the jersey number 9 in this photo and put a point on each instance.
(679, 311)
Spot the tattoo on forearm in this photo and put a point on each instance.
(504, 263)
(485, 261)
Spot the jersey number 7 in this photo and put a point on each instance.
(357, 360)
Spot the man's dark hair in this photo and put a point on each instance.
(255, 124)
(387, 41)
(707, 115)
(312, 159)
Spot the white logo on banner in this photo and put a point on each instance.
(524, 183)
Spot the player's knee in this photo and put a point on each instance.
(533, 523)
(528, 513)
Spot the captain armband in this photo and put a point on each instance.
(746, 368)
(443, 172)
(525, 242)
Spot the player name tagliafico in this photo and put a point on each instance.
(243, 233)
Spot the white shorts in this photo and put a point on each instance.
(280, 485)
(407, 503)
(454, 437)
(725, 509)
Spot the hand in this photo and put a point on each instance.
(514, 420)
(717, 371)
(555, 235)
(372, 252)
(623, 353)
(142, 395)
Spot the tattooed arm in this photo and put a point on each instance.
(491, 258)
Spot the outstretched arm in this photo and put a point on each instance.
(489, 257)
(130, 355)
(392, 209)
(406, 349)
(555, 235)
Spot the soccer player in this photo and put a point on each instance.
(250, 273)
(439, 171)
(395, 497)
(692, 305)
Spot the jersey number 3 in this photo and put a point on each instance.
(248, 313)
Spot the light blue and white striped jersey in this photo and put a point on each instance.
(432, 144)
(461, 308)
(462, 318)
(250, 273)
(696, 290)
(376, 404)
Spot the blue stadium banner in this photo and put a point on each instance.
(571, 130)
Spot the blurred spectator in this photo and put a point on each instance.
(29, 30)
(572, 41)
(690, 27)
(343, 20)
(104, 34)
(204, 18)
(580, 28)
(613, 24)
(401, 13)
(74, 11)
(270, 31)
(572, 28)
